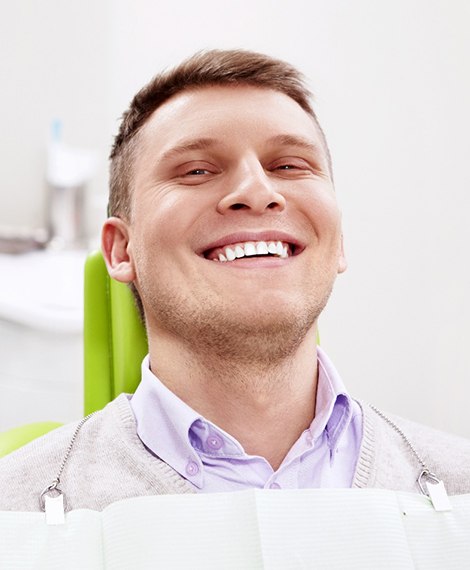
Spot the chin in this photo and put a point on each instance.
(258, 335)
(288, 319)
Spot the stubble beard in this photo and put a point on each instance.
(254, 343)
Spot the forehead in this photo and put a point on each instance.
(226, 112)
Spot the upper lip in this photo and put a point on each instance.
(244, 236)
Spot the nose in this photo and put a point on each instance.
(251, 189)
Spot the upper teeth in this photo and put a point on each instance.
(251, 248)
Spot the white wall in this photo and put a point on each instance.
(53, 65)
(392, 85)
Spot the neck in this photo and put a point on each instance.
(265, 403)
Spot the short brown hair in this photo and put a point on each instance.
(206, 68)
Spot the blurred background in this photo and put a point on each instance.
(392, 88)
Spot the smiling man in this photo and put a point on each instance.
(224, 221)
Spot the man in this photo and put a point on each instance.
(224, 221)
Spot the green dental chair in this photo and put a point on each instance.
(114, 345)
(114, 337)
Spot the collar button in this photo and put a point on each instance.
(214, 442)
(192, 468)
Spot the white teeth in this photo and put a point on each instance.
(250, 249)
(272, 248)
(239, 251)
(230, 254)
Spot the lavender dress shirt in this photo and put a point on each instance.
(325, 455)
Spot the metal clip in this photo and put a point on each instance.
(431, 486)
(52, 502)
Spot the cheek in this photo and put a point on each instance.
(325, 217)
(159, 221)
(161, 243)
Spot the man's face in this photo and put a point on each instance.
(225, 172)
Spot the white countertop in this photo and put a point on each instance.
(43, 289)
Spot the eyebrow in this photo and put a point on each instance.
(189, 145)
(204, 143)
(295, 140)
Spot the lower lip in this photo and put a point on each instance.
(254, 263)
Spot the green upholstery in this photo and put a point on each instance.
(114, 336)
(19, 436)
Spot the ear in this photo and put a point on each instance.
(115, 248)
(342, 261)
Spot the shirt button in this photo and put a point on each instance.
(192, 468)
(274, 485)
(309, 438)
(214, 442)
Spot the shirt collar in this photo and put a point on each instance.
(163, 424)
(333, 409)
(175, 432)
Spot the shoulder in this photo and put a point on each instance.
(396, 466)
(107, 462)
(28, 470)
(446, 455)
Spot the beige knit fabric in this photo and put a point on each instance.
(108, 462)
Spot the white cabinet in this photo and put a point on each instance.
(41, 347)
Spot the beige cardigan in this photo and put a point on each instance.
(108, 462)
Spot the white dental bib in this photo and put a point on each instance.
(255, 529)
